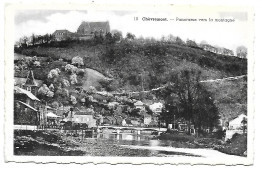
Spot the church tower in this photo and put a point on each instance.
(30, 83)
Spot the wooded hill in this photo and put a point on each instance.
(135, 65)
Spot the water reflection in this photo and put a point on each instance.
(128, 139)
(122, 136)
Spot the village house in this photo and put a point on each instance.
(238, 122)
(237, 125)
(60, 35)
(84, 117)
(156, 108)
(147, 119)
(30, 84)
(139, 105)
(25, 107)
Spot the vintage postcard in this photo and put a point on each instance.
(160, 84)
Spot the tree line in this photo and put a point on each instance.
(116, 36)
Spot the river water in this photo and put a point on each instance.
(146, 145)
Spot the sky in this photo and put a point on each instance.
(229, 35)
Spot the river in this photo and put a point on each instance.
(144, 145)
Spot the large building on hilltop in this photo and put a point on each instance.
(60, 35)
(89, 28)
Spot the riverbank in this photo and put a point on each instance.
(60, 143)
(43, 143)
(57, 143)
(235, 146)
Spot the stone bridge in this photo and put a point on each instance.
(138, 129)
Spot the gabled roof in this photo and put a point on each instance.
(27, 105)
(238, 119)
(18, 90)
(30, 79)
(21, 81)
(138, 103)
(93, 26)
(61, 31)
(88, 111)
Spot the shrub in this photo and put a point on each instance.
(80, 72)
(66, 83)
(54, 73)
(37, 63)
(51, 87)
(73, 100)
(73, 79)
(71, 68)
(77, 60)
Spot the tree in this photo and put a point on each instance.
(191, 43)
(73, 79)
(98, 37)
(73, 100)
(186, 97)
(171, 38)
(65, 83)
(130, 36)
(55, 105)
(77, 60)
(244, 124)
(109, 38)
(44, 91)
(51, 87)
(46, 38)
(37, 63)
(33, 39)
(24, 41)
(179, 41)
(54, 73)
(71, 68)
(117, 36)
(241, 52)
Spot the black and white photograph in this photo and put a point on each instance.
(139, 84)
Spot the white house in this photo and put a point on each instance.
(147, 119)
(237, 123)
(156, 107)
(139, 105)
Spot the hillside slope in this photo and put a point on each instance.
(93, 78)
(135, 65)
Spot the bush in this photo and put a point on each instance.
(77, 60)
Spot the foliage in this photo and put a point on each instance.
(191, 43)
(130, 36)
(80, 72)
(73, 100)
(54, 73)
(73, 79)
(45, 91)
(77, 60)
(241, 52)
(117, 36)
(92, 90)
(71, 68)
(55, 104)
(51, 87)
(186, 97)
(37, 63)
(66, 83)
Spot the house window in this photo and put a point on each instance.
(28, 88)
